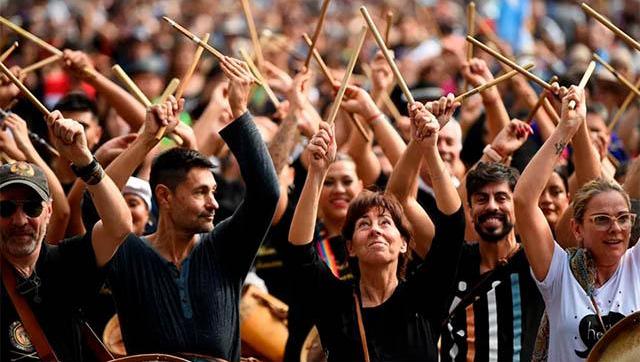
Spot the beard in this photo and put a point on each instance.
(20, 246)
(493, 234)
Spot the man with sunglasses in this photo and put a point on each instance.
(52, 282)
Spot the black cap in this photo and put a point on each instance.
(27, 174)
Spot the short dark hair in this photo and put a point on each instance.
(171, 167)
(488, 173)
(77, 102)
(368, 200)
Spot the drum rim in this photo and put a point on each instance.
(614, 331)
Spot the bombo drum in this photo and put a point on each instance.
(621, 343)
(263, 327)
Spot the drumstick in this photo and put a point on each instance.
(627, 101)
(34, 137)
(540, 102)
(345, 80)
(192, 68)
(604, 21)
(257, 49)
(584, 80)
(8, 52)
(510, 63)
(329, 77)
(389, 17)
(490, 84)
(387, 55)
(261, 80)
(316, 33)
(616, 74)
(43, 44)
(194, 38)
(171, 87)
(24, 90)
(471, 18)
(43, 63)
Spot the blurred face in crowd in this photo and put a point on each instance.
(554, 199)
(90, 124)
(192, 205)
(23, 221)
(450, 144)
(606, 240)
(492, 211)
(340, 187)
(376, 240)
(139, 212)
(150, 84)
(599, 133)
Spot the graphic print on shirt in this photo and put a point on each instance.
(591, 331)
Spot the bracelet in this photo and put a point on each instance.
(91, 174)
(370, 121)
(492, 154)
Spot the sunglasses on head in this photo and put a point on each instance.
(31, 208)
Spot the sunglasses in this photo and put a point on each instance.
(604, 222)
(31, 208)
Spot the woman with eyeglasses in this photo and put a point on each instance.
(586, 290)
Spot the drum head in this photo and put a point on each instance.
(621, 343)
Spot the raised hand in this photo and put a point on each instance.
(424, 126)
(277, 78)
(20, 133)
(68, 137)
(322, 148)
(381, 74)
(443, 108)
(162, 115)
(113, 148)
(297, 93)
(572, 118)
(240, 81)
(511, 137)
(188, 136)
(8, 91)
(77, 62)
(476, 72)
(9, 147)
(357, 100)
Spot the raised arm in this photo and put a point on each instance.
(477, 73)
(69, 139)
(124, 103)
(534, 230)
(322, 152)
(632, 187)
(61, 211)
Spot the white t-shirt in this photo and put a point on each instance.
(573, 324)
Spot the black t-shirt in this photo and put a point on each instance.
(502, 323)
(403, 328)
(65, 277)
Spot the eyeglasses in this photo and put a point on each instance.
(30, 207)
(604, 222)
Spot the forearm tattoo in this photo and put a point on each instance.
(559, 146)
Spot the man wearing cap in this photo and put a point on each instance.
(52, 282)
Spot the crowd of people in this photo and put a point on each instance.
(485, 228)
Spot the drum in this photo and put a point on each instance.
(112, 337)
(263, 324)
(150, 358)
(312, 348)
(621, 343)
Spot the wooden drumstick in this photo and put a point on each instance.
(192, 68)
(627, 101)
(492, 83)
(316, 33)
(345, 80)
(616, 74)
(24, 90)
(540, 102)
(387, 55)
(329, 78)
(43, 63)
(584, 80)
(257, 49)
(471, 19)
(510, 63)
(194, 38)
(171, 87)
(261, 80)
(389, 16)
(604, 21)
(8, 52)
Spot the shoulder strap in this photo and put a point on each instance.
(31, 325)
(363, 335)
